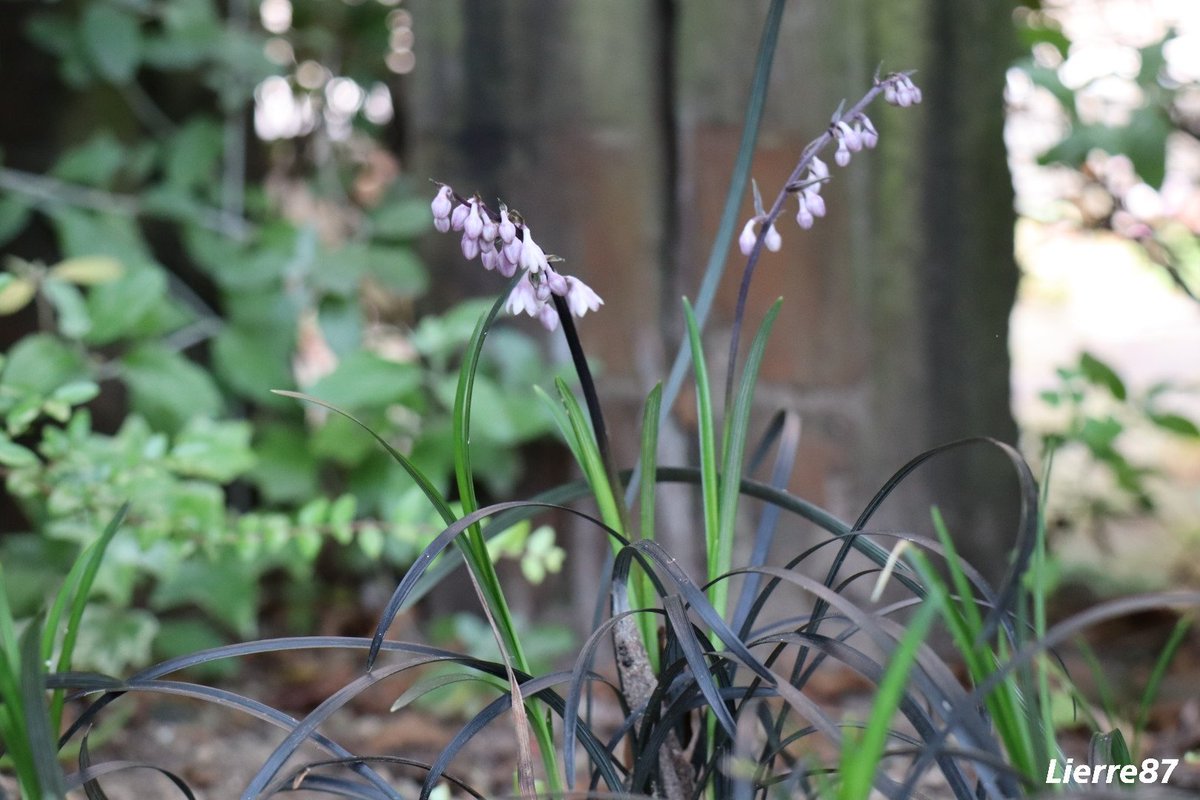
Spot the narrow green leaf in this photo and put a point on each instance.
(733, 452)
(42, 744)
(649, 459)
(709, 478)
(861, 754)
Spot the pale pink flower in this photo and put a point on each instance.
(506, 229)
(548, 316)
(523, 298)
(443, 203)
(532, 257)
(580, 297)
(557, 283)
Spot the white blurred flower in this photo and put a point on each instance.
(772, 239)
(749, 236)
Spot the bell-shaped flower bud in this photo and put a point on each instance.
(470, 246)
(870, 136)
(489, 228)
(804, 217)
(772, 239)
(842, 156)
(749, 237)
(557, 283)
(512, 251)
(474, 222)
(818, 169)
(813, 203)
(506, 228)
(458, 217)
(490, 258)
(504, 265)
(580, 297)
(532, 257)
(442, 224)
(548, 316)
(443, 203)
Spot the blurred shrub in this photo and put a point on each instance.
(185, 285)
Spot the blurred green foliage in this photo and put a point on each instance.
(186, 284)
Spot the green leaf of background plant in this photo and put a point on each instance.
(286, 469)
(168, 389)
(224, 587)
(14, 214)
(364, 380)
(88, 270)
(1176, 424)
(218, 451)
(41, 363)
(15, 455)
(252, 364)
(112, 39)
(70, 306)
(1101, 374)
(192, 155)
(398, 269)
(401, 220)
(117, 307)
(93, 163)
(15, 293)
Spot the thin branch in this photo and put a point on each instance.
(44, 190)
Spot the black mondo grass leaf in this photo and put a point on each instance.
(89, 774)
(306, 777)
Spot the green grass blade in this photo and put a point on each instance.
(92, 557)
(650, 425)
(475, 549)
(1178, 633)
(43, 748)
(861, 753)
(591, 461)
(13, 719)
(733, 450)
(643, 589)
(561, 422)
(709, 477)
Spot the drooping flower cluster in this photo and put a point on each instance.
(505, 243)
(852, 132)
